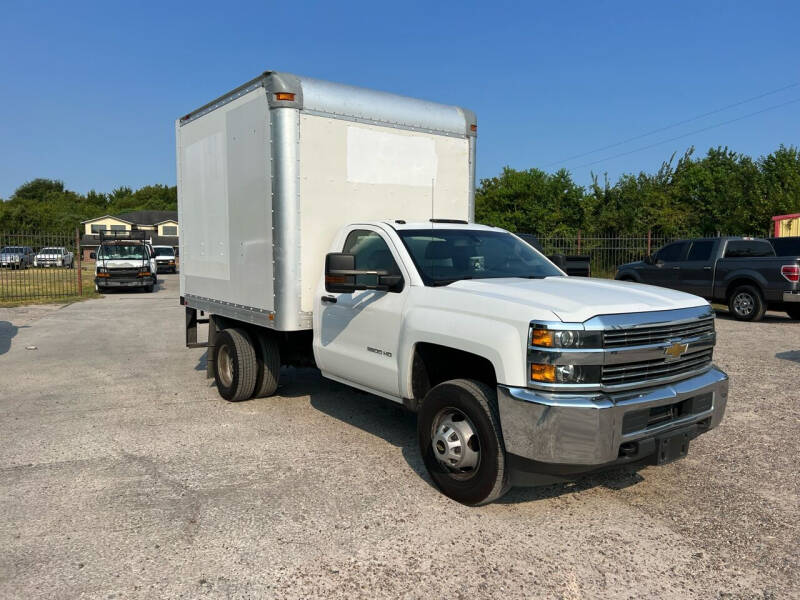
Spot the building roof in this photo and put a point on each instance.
(784, 217)
(94, 240)
(142, 217)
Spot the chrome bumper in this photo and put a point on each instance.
(791, 296)
(587, 429)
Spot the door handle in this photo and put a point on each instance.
(676, 268)
(706, 268)
(331, 299)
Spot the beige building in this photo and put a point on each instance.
(163, 225)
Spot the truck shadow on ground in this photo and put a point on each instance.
(7, 332)
(770, 317)
(393, 423)
(793, 355)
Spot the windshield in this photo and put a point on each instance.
(11, 250)
(443, 256)
(121, 252)
(50, 251)
(164, 251)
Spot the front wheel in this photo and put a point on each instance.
(746, 304)
(458, 429)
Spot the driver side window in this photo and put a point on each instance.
(671, 252)
(373, 254)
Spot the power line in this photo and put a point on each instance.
(678, 137)
(676, 124)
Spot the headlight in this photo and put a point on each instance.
(102, 270)
(564, 338)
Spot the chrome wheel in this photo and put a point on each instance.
(225, 365)
(455, 443)
(743, 304)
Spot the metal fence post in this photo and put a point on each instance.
(80, 269)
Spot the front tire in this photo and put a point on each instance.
(234, 365)
(458, 429)
(746, 304)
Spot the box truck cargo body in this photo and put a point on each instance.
(268, 173)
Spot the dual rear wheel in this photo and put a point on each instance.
(246, 365)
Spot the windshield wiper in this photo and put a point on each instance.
(442, 282)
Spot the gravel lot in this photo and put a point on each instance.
(124, 475)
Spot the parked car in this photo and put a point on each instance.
(743, 273)
(519, 375)
(56, 256)
(165, 258)
(124, 260)
(786, 246)
(16, 257)
(578, 265)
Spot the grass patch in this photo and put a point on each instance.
(45, 285)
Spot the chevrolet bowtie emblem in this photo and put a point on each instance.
(675, 350)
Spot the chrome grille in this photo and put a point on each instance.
(635, 372)
(656, 334)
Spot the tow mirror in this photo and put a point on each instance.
(341, 273)
(92, 254)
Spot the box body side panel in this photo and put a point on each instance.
(224, 200)
(353, 172)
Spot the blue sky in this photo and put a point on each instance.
(89, 91)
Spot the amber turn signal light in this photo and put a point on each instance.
(543, 373)
(542, 337)
(284, 96)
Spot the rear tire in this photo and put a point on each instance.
(457, 421)
(794, 313)
(234, 365)
(746, 304)
(268, 360)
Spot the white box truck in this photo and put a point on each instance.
(330, 225)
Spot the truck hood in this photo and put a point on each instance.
(576, 299)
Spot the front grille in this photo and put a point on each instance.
(123, 272)
(636, 372)
(655, 334)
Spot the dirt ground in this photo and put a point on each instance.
(124, 475)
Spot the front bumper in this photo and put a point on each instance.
(105, 282)
(590, 429)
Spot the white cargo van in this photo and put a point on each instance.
(329, 225)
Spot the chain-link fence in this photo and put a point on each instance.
(40, 267)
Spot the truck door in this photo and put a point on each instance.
(666, 265)
(696, 274)
(356, 335)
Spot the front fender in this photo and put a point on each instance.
(503, 343)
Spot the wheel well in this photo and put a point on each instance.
(432, 364)
(739, 282)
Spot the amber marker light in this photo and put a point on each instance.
(543, 373)
(284, 96)
(542, 337)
